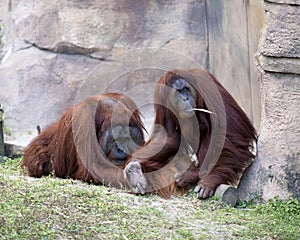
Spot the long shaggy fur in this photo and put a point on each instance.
(71, 147)
(235, 155)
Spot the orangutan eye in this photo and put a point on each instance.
(183, 90)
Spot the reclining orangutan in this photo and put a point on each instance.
(201, 136)
(91, 141)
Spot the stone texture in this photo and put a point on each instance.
(51, 51)
(233, 28)
(292, 2)
(255, 15)
(281, 31)
(280, 48)
(102, 29)
(283, 65)
(43, 81)
(276, 170)
(55, 53)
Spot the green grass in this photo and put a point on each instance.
(52, 208)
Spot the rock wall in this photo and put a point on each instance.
(233, 33)
(276, 171)
(49, 50)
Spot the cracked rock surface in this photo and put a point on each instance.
(50, 49)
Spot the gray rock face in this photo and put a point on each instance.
(276, 171)
(42, 77)
(50, 49)
(280, 48)
(102, 29)
(291, 2)
(282, 34)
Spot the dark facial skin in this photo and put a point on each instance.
(120, 142)
(183, 98)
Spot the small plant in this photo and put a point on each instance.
(244, 204)
(6, 130)
(282, 209)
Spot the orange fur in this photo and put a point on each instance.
(71, 147)
(235, 154)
